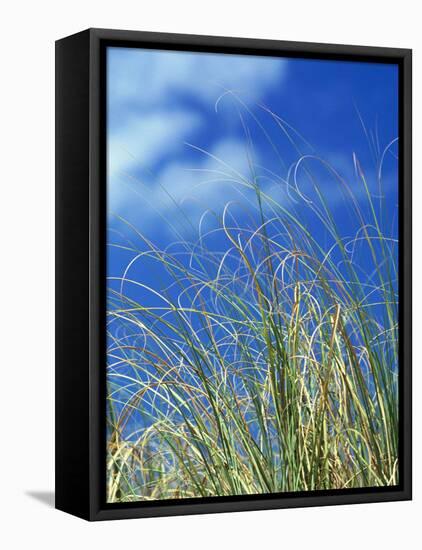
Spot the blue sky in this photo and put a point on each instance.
(181, 125)
(158, 101)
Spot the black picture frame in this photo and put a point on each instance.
(80, 268)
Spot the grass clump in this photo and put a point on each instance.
(267, 360)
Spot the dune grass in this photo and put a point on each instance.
(268, 365)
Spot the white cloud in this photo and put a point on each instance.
(212, 174)
(150, 77)
(142, 142)
(157, 100)
(188, 189)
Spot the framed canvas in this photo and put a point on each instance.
(233, 274)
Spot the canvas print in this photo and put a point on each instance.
(252, 275)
